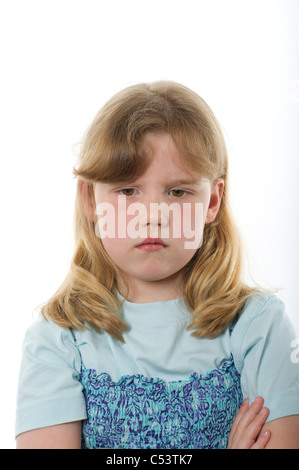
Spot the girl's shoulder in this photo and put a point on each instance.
(47, 331)
(262, 327)
(49, 391)
(261, 344)
(264, 308)
(45, 339)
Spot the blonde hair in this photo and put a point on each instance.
(212, 280)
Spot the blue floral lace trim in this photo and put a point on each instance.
(138, 412)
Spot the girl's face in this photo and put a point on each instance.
(167, 205)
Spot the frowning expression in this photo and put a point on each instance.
(157, 220)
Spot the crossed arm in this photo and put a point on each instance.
(249, 431)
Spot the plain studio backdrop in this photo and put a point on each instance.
(62, 59)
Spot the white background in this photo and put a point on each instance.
(62, 59)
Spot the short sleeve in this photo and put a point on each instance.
(49, 391)
(262, 347)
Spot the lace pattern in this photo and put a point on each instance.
(148, 413)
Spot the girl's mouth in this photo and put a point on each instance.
(152, 244)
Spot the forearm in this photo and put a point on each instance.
(61, 436)
(284, 433)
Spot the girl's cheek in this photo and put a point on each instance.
(193, 225)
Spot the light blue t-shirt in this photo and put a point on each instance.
(157, 344)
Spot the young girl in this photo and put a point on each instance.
(153, 340)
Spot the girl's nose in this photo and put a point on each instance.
(155, 214)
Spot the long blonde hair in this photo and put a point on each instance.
(212, 281)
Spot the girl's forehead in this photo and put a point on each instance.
(166, 179)
(166, 166)
(165, 160)
(154, 143)
(157, 153)
(167, 174)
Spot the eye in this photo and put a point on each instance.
(127, 191)
(177, 192)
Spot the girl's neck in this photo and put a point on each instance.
(155, 291)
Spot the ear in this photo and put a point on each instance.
(87, 198)
(215, 200)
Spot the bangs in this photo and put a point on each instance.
(200, 157)
(117, 166)
(110, 159)
(112, 148)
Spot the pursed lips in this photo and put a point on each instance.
(152, 244)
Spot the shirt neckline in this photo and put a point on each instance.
(154, 313)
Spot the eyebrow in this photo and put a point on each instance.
(173, 183)
(183, 182)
